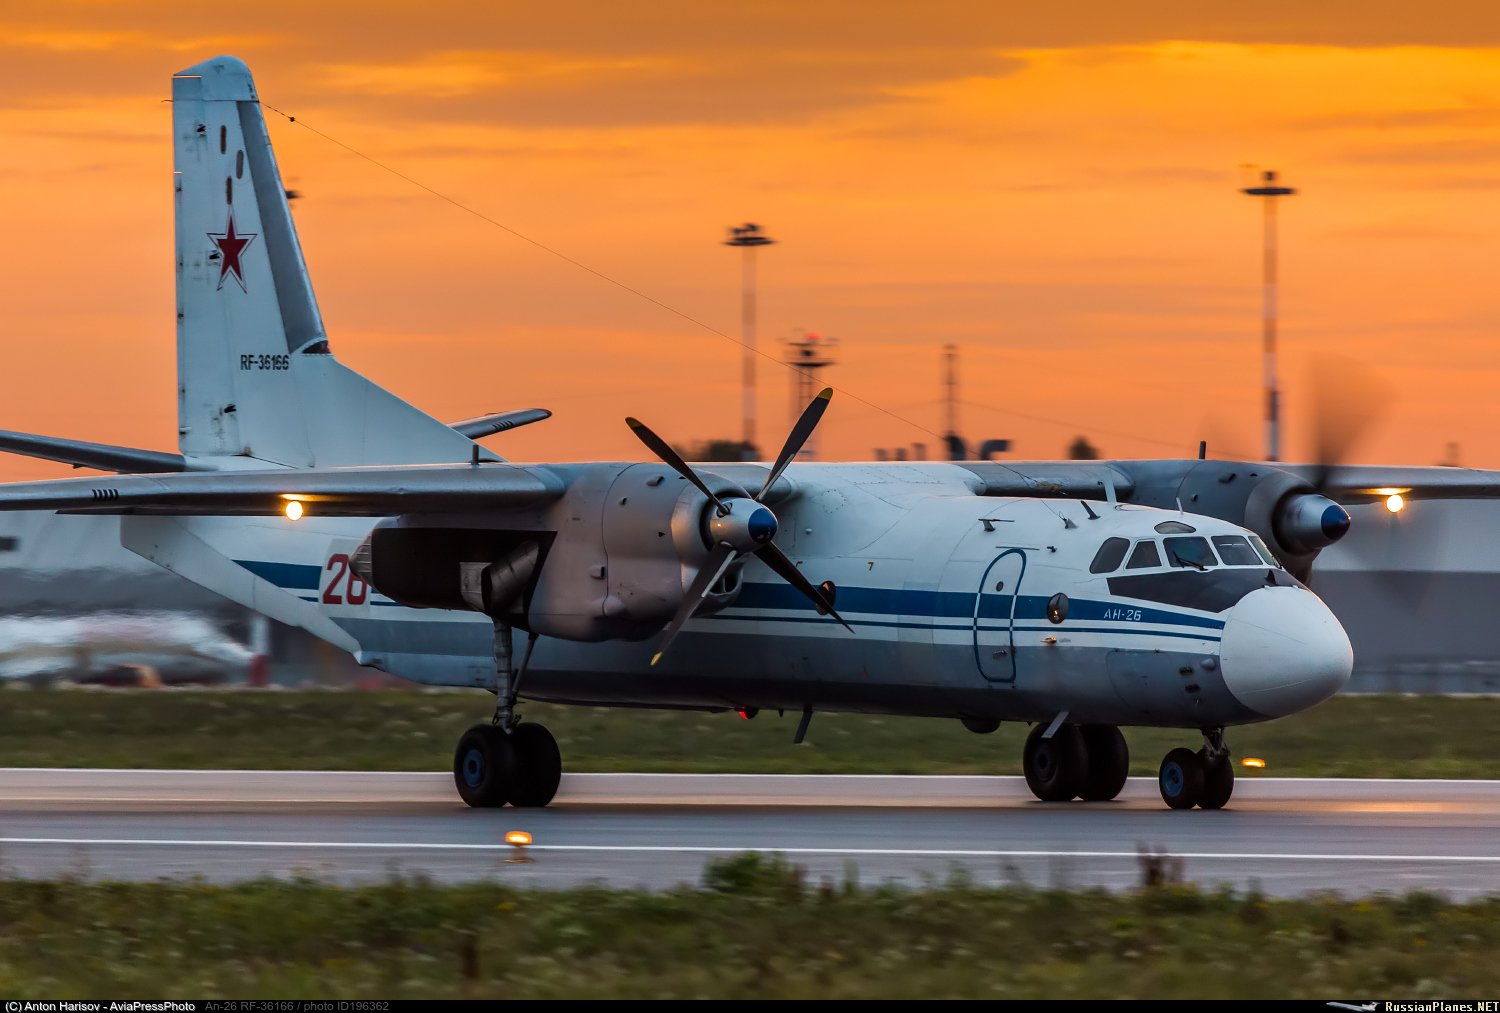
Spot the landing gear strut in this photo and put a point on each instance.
(1204, 779)
(1078, 761)
(508, 760)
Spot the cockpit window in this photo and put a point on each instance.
(1107, 559)
(1145, 555)
(1234, 550)
(1265, 553)
(1191, 552)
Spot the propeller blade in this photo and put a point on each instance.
(787, 571)
(663, 450)
(798, 436)
(708, 575)
(1348, 397)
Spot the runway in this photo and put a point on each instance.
(1288, 836)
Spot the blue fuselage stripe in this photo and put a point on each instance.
(907, 608)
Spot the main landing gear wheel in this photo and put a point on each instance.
(492, 767)
(484, 766)
(538, 769)
(1108, 762)
(1055, 768)
(1218, 780)
(1181, 778)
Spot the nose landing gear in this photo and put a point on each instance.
(508, 760)
(1204, 779)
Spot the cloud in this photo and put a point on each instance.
(1426, 151)
(1401, 119)
(566, 89)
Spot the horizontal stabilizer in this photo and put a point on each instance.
(125, 460)
(339, 492)
(499, 422)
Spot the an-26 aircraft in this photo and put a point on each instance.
(1076, 596)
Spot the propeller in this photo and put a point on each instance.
(1345, 398)
(747, 531)
(1348, 395)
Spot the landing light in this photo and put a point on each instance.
(1395, 502)
(1253, 761)
(293, 510)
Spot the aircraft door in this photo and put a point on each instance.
(995, 616)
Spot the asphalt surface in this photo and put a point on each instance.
(1286, 836)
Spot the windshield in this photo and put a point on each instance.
(1193, 552)
(1144, 556)
(1265, 553)
(1235, 550)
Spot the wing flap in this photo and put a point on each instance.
(340, 492)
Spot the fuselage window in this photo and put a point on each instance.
(1175, 528)
(1107, 559)
(1191, 552)
(1144, 556)
(1236, 551)
(9, 543)
(1264, 553)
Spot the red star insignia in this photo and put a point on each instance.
(231, 245)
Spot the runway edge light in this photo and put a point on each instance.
(1253, 761)
(518, 840)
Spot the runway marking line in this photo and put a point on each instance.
(725, 849)
(432, 774)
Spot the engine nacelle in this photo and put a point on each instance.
(1307, 522)
(612, 559)
(658, 530)
(451, 568)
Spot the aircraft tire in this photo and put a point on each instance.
(1181, 779)
(1055, 768)
(538, 766)
(1108, 763)
(484, 767)
(1218, 781)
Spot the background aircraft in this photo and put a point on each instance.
(170, 648)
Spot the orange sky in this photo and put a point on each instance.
(1054, 192)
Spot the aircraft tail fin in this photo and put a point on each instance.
(256, 377)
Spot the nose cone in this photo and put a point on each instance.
(761, 525)
(1284, 651)
(1335, 522)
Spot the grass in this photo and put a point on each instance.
(755, 929)
(1363, 736)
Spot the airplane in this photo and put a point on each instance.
(176, 647)
(1078, 597)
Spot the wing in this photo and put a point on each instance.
(343, 492)
(1367, 483)
(1071, 479)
